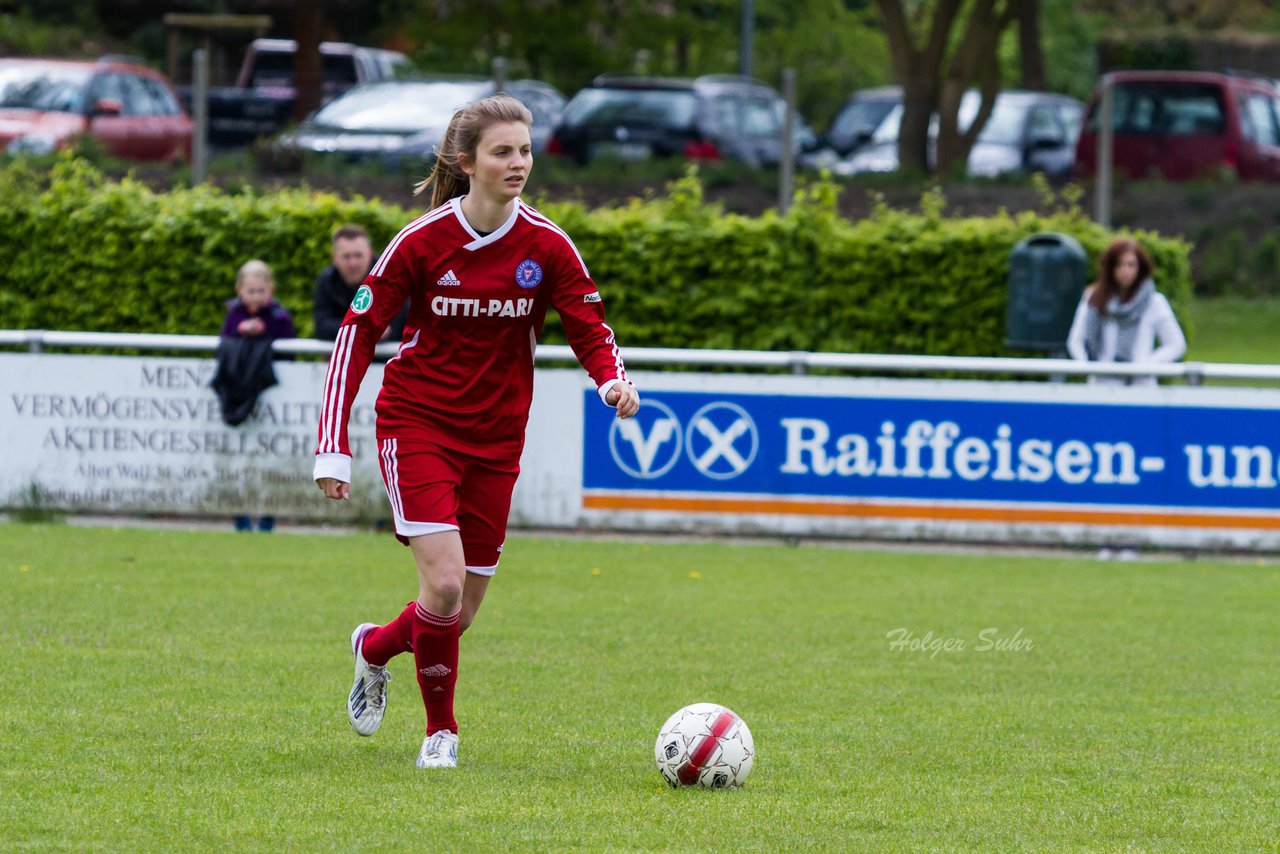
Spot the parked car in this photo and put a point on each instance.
(395, 120)
(262, 100)
(544, 101)
(1187, 124)
(129, 109)
(707, 118)
(1026, 132)
(860, 116)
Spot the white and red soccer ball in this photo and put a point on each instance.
(704, 745)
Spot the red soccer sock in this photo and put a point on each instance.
(435, 655)
(386, 642)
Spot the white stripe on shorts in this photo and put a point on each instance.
(391, 477)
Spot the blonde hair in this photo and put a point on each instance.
(447, 180)
(254, 268)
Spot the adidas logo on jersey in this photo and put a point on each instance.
(448, 280)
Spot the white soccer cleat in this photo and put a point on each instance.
(367, 701)
(439, 750)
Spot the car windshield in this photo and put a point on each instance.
(1174, 109)
(860, 117)
(43, 87)
(663, 108)
(887, 130)
(400, 107)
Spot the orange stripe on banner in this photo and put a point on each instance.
(927, 512)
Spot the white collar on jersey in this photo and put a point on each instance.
(491, 237)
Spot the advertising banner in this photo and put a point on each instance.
(716, 453)
(122, 434)
(971, 456)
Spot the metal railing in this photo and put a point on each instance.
(797, 361)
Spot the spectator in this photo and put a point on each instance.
(337, 283)
(253, 313)
(244, 355)
(1121, 316)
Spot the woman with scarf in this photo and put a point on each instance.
(1122, 316)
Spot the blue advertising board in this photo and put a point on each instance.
(923, 451)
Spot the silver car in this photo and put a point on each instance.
(1026, 132)
(402, 120)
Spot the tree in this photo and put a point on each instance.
(935, 73)
(1197, 14)
(308, 24)
(832, 44)
(1030, 48)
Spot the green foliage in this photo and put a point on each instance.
(85, 253)
(24, 33)
(1237, 255)
(676, 271)
(1164, 51)
(1068, 38)
(834, 46)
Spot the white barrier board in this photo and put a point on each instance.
(719, 453)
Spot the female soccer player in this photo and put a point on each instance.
(480, 269)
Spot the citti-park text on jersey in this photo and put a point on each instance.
(464, 307)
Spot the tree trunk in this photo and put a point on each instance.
(919, 101)
(308, 24)
(1030, 46)
(920, 72)
(976, 62)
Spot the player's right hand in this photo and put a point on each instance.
(334, 488)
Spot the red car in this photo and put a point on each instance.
(130, 110)
(1186, 125)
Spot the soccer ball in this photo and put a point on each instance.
(704, 745)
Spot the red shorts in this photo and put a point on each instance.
(433, 489)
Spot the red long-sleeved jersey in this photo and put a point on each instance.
(463, 377)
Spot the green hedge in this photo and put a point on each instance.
(85, 253)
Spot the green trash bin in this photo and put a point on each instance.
(1047, 275)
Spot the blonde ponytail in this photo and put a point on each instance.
(447, 180)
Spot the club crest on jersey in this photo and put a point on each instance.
(363, 300)
(528, 274)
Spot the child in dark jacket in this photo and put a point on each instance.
(253, 313)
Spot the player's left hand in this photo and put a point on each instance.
(624, 398)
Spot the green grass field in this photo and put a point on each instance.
(169, 690)
(1233, 329)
